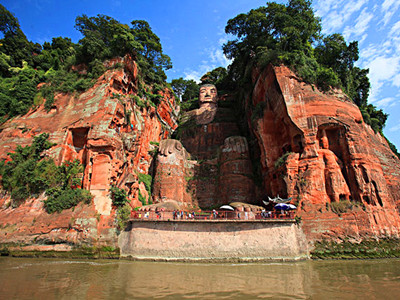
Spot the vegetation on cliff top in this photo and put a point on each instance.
(291, 35)
(23, 64)
(29, 172)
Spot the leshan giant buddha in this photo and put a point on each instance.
(208, 163)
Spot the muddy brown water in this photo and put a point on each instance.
(25, 278)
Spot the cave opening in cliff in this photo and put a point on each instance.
(79, 140)
(79, 137)
(298, 144)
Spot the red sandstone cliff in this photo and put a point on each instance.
(110, 135)
(332, 157)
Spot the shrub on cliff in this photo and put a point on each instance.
(29, 172)
(105, 37)
(187, 91)
(123, 215)
(59, 199)
(22, 175)
(147, 180)
(279, 33)
(118, 196)
(63, 184)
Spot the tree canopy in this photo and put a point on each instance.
(105, 37)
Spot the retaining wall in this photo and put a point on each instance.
(213, 240)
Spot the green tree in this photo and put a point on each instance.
(152, 59)
(185, 89)
(14, 42)
(105, 37)
(270, 33)
(220, 78)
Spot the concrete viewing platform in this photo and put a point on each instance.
(216, 240)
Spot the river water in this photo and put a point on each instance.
(23, 278)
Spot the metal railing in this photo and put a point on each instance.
(215, 215)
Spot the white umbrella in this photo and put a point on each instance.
(291, 206)
(228, 207)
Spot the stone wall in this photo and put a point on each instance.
(213, 241)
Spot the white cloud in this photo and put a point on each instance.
(395, 128)
(386, 102)
(389, 7)
(215, 58)
(218, 57)
(325, 6)
(394, 31)
(396, 80)
(192, 75)
(382, 70)
(335, 15)
(361, 25)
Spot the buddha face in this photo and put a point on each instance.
(208, 94)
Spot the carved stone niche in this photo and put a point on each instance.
(333, 151)
(75, 145)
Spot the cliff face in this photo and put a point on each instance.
(110, 134)
(316, 149)
(312, 146)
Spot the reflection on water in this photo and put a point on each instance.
(100, 279)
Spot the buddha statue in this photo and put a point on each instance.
(210, 153)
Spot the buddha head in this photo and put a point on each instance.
(208, 95)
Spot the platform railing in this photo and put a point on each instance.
(216, 215)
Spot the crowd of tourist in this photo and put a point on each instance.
(212, 215)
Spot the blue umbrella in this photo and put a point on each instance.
(282, 206)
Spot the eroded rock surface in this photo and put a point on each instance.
(308, 145)
(331, 155)
(109, 134)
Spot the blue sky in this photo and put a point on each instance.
(192, 33)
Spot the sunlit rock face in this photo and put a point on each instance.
(219, 169)
(109, 134)
(327, 155)
(308, 145)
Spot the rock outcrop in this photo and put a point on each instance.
(316, 149)
(110, 134)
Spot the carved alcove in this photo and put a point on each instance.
(335, 154)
